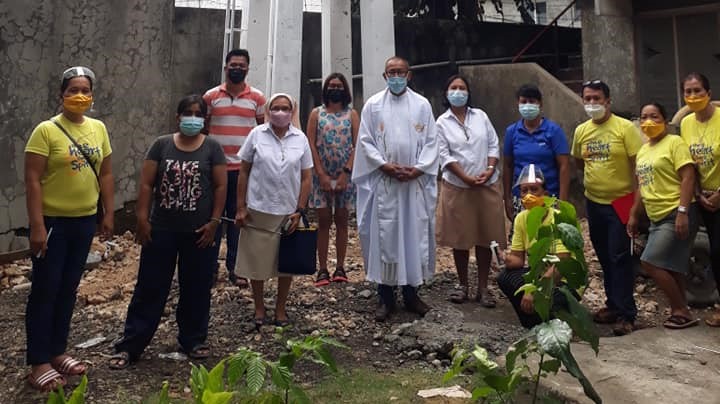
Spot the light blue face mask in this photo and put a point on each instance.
(457, 98)
(397, 84)
(191, 125)
(529, 111)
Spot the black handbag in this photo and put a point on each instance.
(100, 208)
(298, 249)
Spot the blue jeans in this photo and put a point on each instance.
(231, 231)
(612, 246)
(55, 279)
(157, 268)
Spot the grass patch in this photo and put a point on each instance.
(367, 385)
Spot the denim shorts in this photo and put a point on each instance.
(664, 249)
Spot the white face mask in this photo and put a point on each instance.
(595, 111)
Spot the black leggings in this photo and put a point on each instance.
(510, 280)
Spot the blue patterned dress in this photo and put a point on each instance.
(334, 143)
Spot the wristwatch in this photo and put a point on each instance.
(347, 170)
(682, 209)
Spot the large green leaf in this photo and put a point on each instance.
(537, 252)
(481, 356)
(459, 356)
(534, 220)
(281, 376)
(570, 236)
(553, 336)
(498, 382)
(542, 298)
(198, 380)
(550, 365)
(515, 350)
(215, 378)
(324, 357)
(298, 395)
(481, 392)
(568, 360)
(573, 272)
(566, 213)
(164, 397)
(579, 320)
(256, 374)
(222, 397)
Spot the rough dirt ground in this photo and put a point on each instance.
(344, 311)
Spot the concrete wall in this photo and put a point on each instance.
(608, 58)
(126, 43)
(493, 90)
(512, 15)
(197, 46)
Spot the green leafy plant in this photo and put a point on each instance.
(76, 397)
(248, 377)
(549, 340)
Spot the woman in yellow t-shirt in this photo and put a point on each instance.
(701, 131)
(67, 166)
(665, 177)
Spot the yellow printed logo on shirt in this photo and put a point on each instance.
(596, 150)
(645, 174)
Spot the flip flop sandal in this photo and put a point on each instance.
(713, 321)
(68, 364)
(197, 352)
(339, 275)
(486, 300)
(680, 322)
(119, 361)
(47, 382)
(459, 296)
(323, 278)
(282, 323)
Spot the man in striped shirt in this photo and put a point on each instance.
(234, 108)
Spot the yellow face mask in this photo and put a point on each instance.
(652, 129)
(697, 103)
(530, 201)
(77, 103)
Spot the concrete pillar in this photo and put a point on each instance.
(256, 41)
(336, 38)
(378, 42)
(287, 50)
(612, 61)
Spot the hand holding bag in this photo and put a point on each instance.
(297, 251)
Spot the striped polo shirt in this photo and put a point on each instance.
(232, 118)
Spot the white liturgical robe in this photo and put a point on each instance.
(396, 220)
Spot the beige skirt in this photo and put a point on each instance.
(257, 257)
(468, 217)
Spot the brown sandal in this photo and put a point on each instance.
(49, 381)
(714, 320)
(459, 296)
(486, 299)
(69, 365)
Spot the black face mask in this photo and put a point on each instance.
(335, 95)
(237, 76)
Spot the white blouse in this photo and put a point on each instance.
(470, 144)
(274, 183)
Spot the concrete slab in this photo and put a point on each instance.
(650, 366)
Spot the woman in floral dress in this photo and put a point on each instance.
(332, 132)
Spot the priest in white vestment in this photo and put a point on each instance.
(395, 170)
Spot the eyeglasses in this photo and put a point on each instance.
(592, 82)
(397, 73)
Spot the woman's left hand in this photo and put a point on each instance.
(483, 178)
(294, 222)
(207, 234)
(681, 225)
(107, 226)
(342, 182)
(714, 201)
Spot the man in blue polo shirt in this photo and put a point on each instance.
(537, 140)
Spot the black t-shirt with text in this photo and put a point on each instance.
(183, 190)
